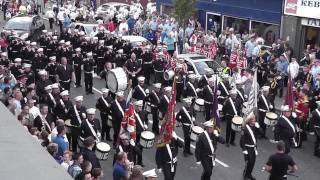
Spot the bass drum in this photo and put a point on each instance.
(117, 80)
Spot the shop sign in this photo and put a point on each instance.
(310, 22)
(303, 8)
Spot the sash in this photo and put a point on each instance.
(265, 101)
(170, 155)
(193, 89)
(211, 148)
(155, 94)
(52, 99)
(187, 113)
(120, 108)
(92, 130)
(233, 107)
(44, 122)
(210, 90)
(251, 134)
(240, 95)
(167, 99)
(139, 119)
(63, 106)
(205, 77)
(104, 101)
(224, 87)
(120, 148)
(77, 114)
(318, 112)
(291, 125)
(141, 89)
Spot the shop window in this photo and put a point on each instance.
(312, 36)
(269, 32)
(240, 26)
(214, 23)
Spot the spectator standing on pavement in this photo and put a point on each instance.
(280, 164)
(60, 18)
(50, 15)
(121, 167)
(282, 69)
(75, 168)
(131, 22)
(249, 46)
(66, 22)
(59, 140)
(123, 27)
(5, 5)
(169, 41)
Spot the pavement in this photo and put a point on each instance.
(231, 161)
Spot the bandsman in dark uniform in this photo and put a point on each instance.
(147, 68)
(49, 99)
(206, 147)
(88, 69)
(77, 60)
(41, 84)
(181, 72)
(4, 61)
(63, 106)
(264, 106)
(230, 109)
(166, 157)
(159, 65)
(154, 100)
(204, 79)
(141, 125)
(118, 107)
(224, 88)
(164, 101)
(104, 105)
(191, 90)
(208, 91)
(45, 120)
(29, 73)
(91, 126)
(77, 115)
(315, 122)
(120, 59)
(285, 129)
(140, 92)
(52, 69)
(186, 117)
(240, 92)
(248, 144)
(128, 146)
(133, 68)
(65, 74)
(16, 67)
(100, 56)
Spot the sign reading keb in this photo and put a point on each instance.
(303, 8)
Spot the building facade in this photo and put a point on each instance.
(263, 16)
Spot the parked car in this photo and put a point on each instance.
(135, 40)
(26, 27)
(103, 9)
(87, 28)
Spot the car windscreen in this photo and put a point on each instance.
(18, 25)
(202, 65)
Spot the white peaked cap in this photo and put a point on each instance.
(157, 85)
(318, 103)
(52, 58)
(208, 124)
(285, 108)
(120, 51)
(265, 88)
(55, 86)
(64, 93)
(101, 41)
(120, 93)
(91, 111)
(17, 60)
(33, 43)
(68, 43)
(44, 31)
(62, 42)
(42, 72)
(40, 50)
(104, 90)
(4, 54)
(89, 54)
(78, 49)
(150, 173)
(139, 103)
(26, 65)
(55, 37)
(141, 78)
(49, 87)
(168, 88)
(233, 91)
(78, 98)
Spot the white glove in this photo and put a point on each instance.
(174, 135)
(294, 114)
(218, 92)
(215, 132)
(132, 143)
(256, 152)
(84, 115)
(271, 107)
(193, 119)
(98, 134)
(256, 124)
(245, 152)
(198, 163)
(160, 170)
(145, 127)
(245, 96)
(147, 91)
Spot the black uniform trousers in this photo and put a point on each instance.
(317, 142)
(147, 71)
(250, 160)
(139, 156)
(105, 130)
(207, 168)
(77, 72)
(155, 119)
(166, 169)
(207, 109)
(180, 86)
(229, 132)
(158, 77)
(75, 133)
(88, 78)
(187, 138)
(261, 117)
(65, 85)
(287, 143)
(116, 129)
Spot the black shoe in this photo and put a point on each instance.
(252, 178)
(189, 152)
(227, 145)
(91, 92)
(185, 154)
(233, 144)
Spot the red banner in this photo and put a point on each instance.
(128, 124)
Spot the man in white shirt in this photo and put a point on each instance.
(123, 27)
(294, 68)
(50, 15)
(249, 46)
(33, 110)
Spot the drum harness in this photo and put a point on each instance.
(93, 131)
(64, 106)
(143, 92)
(233, 107)
(225, 89)
(172, 160)
(193, 89)
(189, 117)
(119, 107)
(210, 90)
(105, 102)
(139, 119)
(52, 99)
(44, 122)
(294, 130)
(77, 114)
(253, 139)
(211, 148)
(158, 100)
(266, 103)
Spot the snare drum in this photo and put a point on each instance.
(271, 119)
(199, 105)
(68, 125)
(103, 150)
(195, 132)
(147, 139)
(237, 123)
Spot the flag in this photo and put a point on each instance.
(128, 124)
(289, 99)
(215, 110)
(169, 120)
(252, 98)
